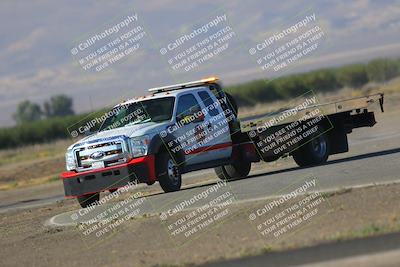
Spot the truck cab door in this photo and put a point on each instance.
(188, 135)
(219, 144)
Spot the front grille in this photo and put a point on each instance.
(108, 153)
(99, 153)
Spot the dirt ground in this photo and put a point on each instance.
(32, 165)
(146, 241)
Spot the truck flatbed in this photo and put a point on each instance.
(356, 105)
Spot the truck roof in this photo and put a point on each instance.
(160, 95)
(172, 90)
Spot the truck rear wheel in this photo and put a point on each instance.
(168, 173)
(88, 200)
(236, 170)
(315, 152)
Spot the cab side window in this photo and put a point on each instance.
(187, 105)
(208, 103)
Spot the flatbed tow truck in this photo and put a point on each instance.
(193, 126)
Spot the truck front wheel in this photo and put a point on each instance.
(88, 200)
(236, 170)
(314, 152)
(169, 176)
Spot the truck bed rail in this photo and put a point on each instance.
(325, 109)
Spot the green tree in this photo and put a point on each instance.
(58, 106)
(382, 70)
(323, 80)
(352, 76)
(27, 112)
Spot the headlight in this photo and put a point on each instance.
(69, 161)
(139, 146)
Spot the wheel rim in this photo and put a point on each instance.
(173, 172)
(319, 146)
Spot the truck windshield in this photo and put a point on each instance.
(153, 110)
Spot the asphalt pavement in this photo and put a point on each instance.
(373, 158)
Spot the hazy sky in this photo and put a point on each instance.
(38, 38)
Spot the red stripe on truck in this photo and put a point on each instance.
(209, 148)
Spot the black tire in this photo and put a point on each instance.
(237, 170)
(88, 200)
(232, 103)
(168, 173)
(315, 152)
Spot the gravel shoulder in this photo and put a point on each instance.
(145, 241)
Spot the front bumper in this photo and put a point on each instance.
(82, 183)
